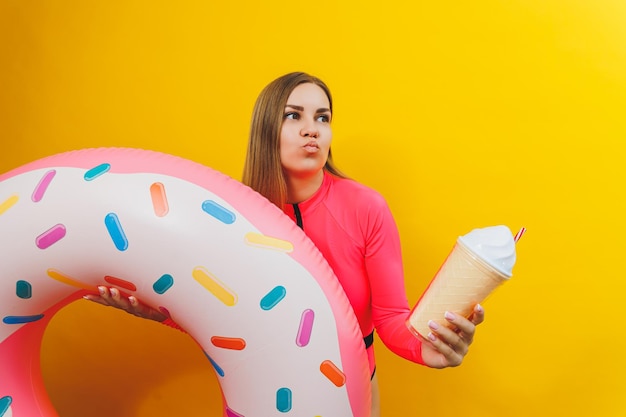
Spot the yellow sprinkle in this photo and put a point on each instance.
(8, 203)
(215, 286)
(54, 274)
(257, 239)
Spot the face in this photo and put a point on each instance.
(305, 134)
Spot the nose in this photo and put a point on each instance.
(309, 131)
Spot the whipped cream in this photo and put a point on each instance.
(494, 245)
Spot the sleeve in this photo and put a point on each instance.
(383, 263)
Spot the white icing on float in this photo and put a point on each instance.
(240, 277)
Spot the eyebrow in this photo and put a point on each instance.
(300, 108)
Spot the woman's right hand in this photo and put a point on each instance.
(112, 297)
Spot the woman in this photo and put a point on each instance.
(289, 161)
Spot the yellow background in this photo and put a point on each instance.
(463, 114)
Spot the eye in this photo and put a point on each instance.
(291, 115)
(324, 118)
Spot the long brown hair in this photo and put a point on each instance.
(263, 170)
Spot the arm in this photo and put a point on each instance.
(383, 258)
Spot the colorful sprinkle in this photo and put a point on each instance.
(233, 343)
(273, 297)
(58, 276)
(41, 188)
(257, 239)
(8, 203)
(220, 213)
(283, 400)
(23, 289)
(159, 199)
(217, 368)
(306, 326)
(231, 413)
(215, 286)
(122, 283)
(112, 223)
(163, 284)
(22, 319)
(95, 172)
(5, 403)
(50, 236)
(330, 371)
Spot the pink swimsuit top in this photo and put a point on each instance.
(354, 229)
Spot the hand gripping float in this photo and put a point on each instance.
(240, 277)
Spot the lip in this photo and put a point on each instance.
(311, 146)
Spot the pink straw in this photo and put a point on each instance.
(519, 234)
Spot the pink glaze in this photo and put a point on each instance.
(266, 217)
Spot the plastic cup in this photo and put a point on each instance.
(463, 280)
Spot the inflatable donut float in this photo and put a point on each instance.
(240, 277)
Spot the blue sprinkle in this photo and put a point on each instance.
(5, 403)
(95, 172)
(283, 400)
(21, 319)
(220, 213)
(219, 370)
(163, 284)
(23, 289)
(116, 232)
(273, 297)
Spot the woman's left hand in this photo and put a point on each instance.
(448, 346)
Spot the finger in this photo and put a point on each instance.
(105, 297)
(137, 308)
(438, 340)
(448, 343)
(465, 328)
(454, 338)
(95, 299)
(120, 301)
(134, 304)
(478, 316)
(113, 297)
(104, 292)
(115, 294)
(108, 295)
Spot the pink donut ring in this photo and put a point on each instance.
(187, 238)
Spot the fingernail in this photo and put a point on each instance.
(101, 290)
(449, 316)
(132, 300)
(433, 324)
(114, 292)
(480, 308)
(432, 337)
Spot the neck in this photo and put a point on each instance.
(302, 188)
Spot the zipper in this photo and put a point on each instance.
(296, 212)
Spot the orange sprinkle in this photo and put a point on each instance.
(118, 282)
(159, 199)
(234, 343)
(330, 371)
(66, 279)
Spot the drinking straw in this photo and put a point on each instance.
(519, 234)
